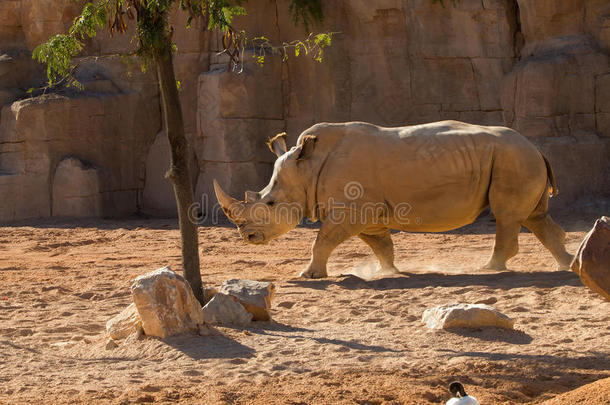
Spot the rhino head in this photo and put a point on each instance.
(281, 205)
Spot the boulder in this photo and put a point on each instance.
(255, 296)
(224, 309)
(592, 261)
(124, 324)
(166, 303)
(465, 316)
(209, 292)
(76, 189)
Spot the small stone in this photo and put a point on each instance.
(111, 344)
(592, 261)
(124, 323)
(224, 309)
(135, 337)
(471, 316)
(209, 292)
(166, 304)
(255, 296)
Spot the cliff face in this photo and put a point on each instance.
(539, 66)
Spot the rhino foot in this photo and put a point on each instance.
(387, 270)
(310, 272)
(566, 263)
(494, 266)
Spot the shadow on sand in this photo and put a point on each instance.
(273, 329)
(504, 280)
(590, 361)
(515, 337)
(213, 346)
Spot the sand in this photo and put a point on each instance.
(352, 338)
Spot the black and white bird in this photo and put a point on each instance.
(459, 395)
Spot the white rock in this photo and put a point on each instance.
(124, 324)
(166, 303)
(465, 316)
(224, 309)
(255, 296)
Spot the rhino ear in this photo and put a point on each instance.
(277, 144)
(252, 196)
(307, 146)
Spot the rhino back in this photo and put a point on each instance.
(441, 170)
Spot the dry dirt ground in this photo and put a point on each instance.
(345, 339)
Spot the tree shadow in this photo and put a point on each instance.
(216, 345)
(278, 329)
(337, 342)
(504, 280)
(273, 326)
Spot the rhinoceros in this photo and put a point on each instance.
(364, 180)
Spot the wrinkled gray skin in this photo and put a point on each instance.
(362, 180)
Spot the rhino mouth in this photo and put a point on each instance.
(254, 237)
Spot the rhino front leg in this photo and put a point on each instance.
(382, 246)
(505, 246)
(329, 237)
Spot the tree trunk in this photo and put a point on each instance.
(179, 169)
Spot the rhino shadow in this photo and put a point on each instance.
(504, 280)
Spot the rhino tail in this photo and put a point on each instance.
(553, 189)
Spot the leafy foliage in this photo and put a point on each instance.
(57, 53)
(313, 45)
(153, 32)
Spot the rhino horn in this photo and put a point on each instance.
(227, 202)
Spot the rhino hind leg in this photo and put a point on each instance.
(549, 233)
(329, 237)
(383, 247)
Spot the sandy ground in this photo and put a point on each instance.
(345, 339)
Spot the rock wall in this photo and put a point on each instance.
(539, 66)
(108, 127)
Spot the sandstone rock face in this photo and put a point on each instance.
(76, 189)
(471, 316)
(158, 198)
(166, 304)
(124, 324)
(158, 194)
(36, 134)
(224, 309)
(255, 296)
(540, 66)
(592, 261)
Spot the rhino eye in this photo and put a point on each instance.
(270, 203)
